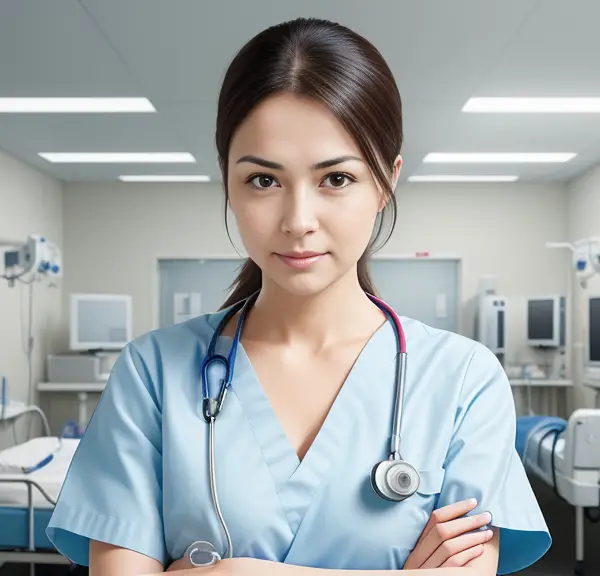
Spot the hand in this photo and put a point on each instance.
(226, 567)
(448, 540)
(181, 564)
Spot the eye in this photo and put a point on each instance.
(262, 181)
(339, 180)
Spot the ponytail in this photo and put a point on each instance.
(364, 275)
(249, 281)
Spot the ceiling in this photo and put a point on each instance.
(175, 52)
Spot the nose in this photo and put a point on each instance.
(299, 212)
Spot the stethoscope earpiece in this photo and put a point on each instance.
(394, 480)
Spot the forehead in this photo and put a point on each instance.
(292, 127)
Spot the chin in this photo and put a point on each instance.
(304, 284)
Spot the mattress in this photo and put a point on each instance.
(50, 478)
(538, 454)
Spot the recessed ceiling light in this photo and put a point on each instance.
(533, 105)
(74, 105)
(497, 157)
(461, 178)
(165, 178)
(117, 157)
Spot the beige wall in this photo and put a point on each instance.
(30, 203)
(113, 233)
(498, 229)
(583, 222)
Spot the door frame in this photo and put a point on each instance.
(439, 256)
(426, 256)
(156, 277)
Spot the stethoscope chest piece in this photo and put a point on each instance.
(395, 480)
(202, 553)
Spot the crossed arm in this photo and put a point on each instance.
(107, 559)
(450, 544)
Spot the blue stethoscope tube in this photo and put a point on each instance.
(393, 479)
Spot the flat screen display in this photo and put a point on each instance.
(540, 320)
(594, 327)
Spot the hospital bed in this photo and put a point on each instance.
(27, 498)
(566, 456)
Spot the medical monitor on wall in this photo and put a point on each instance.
(546, 321)
(100, 322)
(594, 331)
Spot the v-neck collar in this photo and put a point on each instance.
(296, 480)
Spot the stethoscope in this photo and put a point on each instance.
(393, 479)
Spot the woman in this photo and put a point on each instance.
(309, 131)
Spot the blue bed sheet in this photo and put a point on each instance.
(14, 529)
(526, 424)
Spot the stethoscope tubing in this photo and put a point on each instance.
(211, 407)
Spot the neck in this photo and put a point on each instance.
(340, 312)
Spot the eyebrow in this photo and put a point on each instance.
(318, 166)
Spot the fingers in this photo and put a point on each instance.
(464, 557)
(454, 528)
(460, 547)
(438, 533)
(450, 512)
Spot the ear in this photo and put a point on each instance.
(397, 168)
(395, 175)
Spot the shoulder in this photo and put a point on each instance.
(173, 350)
(178, 338)
(170, 354)
(443, 345)
(454, 359)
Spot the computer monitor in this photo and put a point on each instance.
(546, 321)
(594, 331)
(100, 322)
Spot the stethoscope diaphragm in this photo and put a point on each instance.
(202, 553)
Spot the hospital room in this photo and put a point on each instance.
(417, 385)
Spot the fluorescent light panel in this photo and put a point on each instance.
(117, 157)
(498, 157)
(533, 105)
(74, 105)
(165, 178)
(462, 178)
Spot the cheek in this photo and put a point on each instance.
(253, 222)
(352, 227)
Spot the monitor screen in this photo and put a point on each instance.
(594, 328)
(540, 319)
(100, 322)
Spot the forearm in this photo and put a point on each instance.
(249, 567)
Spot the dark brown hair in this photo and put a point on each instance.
(337, 67)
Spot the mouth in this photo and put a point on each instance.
(301, 260)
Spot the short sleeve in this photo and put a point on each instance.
(113, 488)
(482, 463)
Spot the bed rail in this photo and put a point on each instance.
(31, 484)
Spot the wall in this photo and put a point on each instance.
(30, 203)
(583, 222)
(498, 229)
(114, 233)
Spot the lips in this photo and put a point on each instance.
(301, 254)
(301, 260)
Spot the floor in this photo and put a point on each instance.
(560, 518)
(557, 562)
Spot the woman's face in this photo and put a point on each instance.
(303, 197)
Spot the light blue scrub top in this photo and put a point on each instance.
(139, 478)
